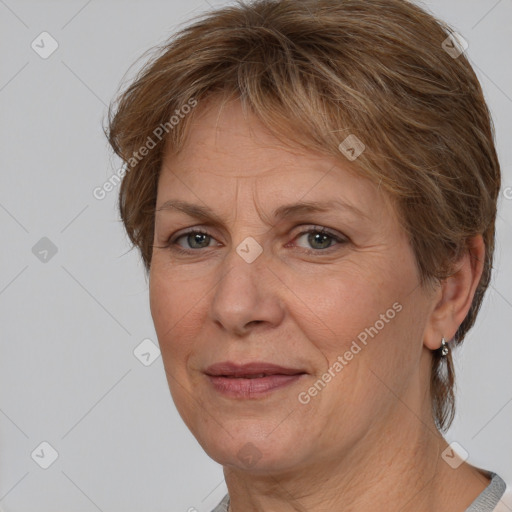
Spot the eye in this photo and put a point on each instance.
(320, 239)
(197, 239)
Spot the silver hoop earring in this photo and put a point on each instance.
(444, 348)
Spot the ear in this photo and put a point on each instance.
(453, 299)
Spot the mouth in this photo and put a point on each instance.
(251, 380)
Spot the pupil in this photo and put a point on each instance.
(196, 237)
(318, 236)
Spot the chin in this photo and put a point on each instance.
(252, 450)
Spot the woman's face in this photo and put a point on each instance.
(343, 310)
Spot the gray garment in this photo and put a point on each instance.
(486, 501)
(223, 505)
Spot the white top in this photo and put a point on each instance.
(496, 497)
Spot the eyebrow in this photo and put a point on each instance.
(205, 213)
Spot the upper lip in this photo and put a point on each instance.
(228, 368)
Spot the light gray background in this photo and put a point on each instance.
(69, 325)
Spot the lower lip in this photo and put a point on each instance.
(251, 388)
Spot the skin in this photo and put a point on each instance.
(367, 441)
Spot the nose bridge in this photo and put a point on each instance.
(243, 294)
(244, 267)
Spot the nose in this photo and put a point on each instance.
(247, 295)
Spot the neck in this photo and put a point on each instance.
(352, 482)
(389, 469)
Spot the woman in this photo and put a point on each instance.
(312, 186)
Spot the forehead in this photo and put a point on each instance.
(230, 154)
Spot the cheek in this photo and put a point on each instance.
(334, 309)
(174, 304)
(377, 332)
(372, 321)
(367, 342)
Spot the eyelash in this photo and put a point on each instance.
(173, 246)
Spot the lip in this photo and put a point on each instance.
(245, 380)
(229, 369)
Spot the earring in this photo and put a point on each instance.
(444, 348)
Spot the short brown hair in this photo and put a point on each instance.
(318, 71)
